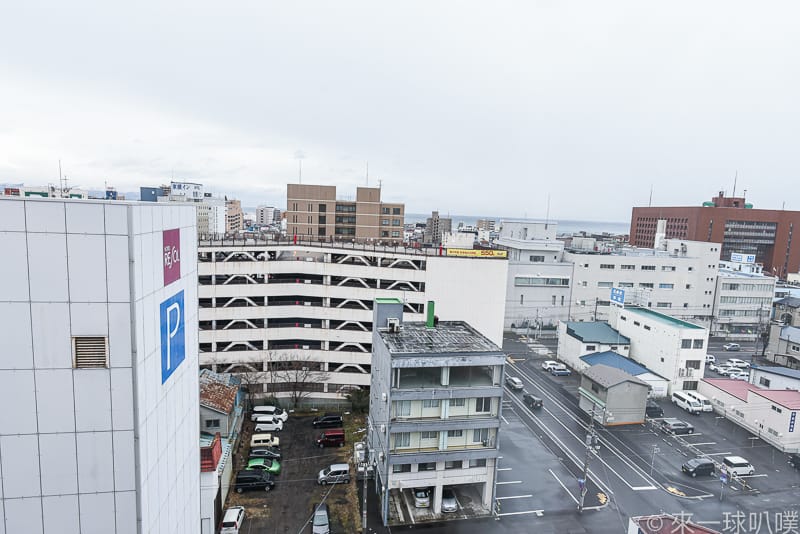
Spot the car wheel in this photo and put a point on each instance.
(267, 488)
(324, 482)
(347, 481)
(690, 431)
(239, 490)
(341, 445)
(694, 475)
(321, 446)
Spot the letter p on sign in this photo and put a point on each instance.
(173, 339)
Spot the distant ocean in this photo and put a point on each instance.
(564, 227)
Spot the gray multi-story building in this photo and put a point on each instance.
(435, 228)
(435, 405)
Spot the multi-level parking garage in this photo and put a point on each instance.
(268, 307)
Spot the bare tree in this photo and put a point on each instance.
(297, 373)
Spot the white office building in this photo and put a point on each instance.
(99, 370)
(742, 300)
(671, 348)
(539, 287)
(677, 278)
(286, 316)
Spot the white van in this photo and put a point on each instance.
(278, 413)
(705, 404)
(264, 440)
(738, 466)
(680, 399)
(232, 520)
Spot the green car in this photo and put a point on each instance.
(266, 464)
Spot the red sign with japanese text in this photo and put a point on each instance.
(172, 255)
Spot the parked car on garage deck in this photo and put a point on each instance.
(449, 502)
(422, 497)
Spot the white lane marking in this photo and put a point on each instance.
(504, 469)
(539, 513)
(643, 488)
(718, 453)
(510, 482)
(563, 486)
(504, 419)
(514, 497)
(706, 443)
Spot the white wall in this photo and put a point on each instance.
(68, 455)
(471, 290)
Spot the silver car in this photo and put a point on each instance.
(320, 523)
(422, 497)
(514, 383)
(449, 502)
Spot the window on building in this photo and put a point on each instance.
(480, 434)
(627, 267)
(385, 211)
(697, 343)
(455, 433)
(625, 284)
(321, 231)
(395, 211)
(521, 300)
(537, 259)
(454, 464)
(402, 408)
(686, 343)
(666, 286)
(384, 234)
(554, 300)
(776, 409)
(429, 435)
(591, 348)
(212, 423)
(646, 285)
(458, 402)
(663, 304)
(646, 327)
(667, 268)
(323, 208)
(688, 286)
(395, 222)
(430, 403)
(562, 300)
(478, 463)
(690, 385)
(483, 404)
(693, 364)
(402, 439)
(609, 266)
(605, 284)
(764, 382)
(395, 234)
(595, 388)
(648, 267)
(384, 222)
(401, 468)
(428, 466)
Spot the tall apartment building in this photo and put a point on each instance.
(742, 301)
(234, 218)
(435, 228)
(98, 376)
(267, 215)
(767, 234)
(266, 306)
(313, 212)
(435, 406)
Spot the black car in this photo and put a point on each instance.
(531, 401)
(698, 466)
(253, 480)
(653, 410)
(329, 420)
(265, 452)
(794, 460)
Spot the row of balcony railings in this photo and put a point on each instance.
(284, 344)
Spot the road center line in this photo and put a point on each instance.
(514, 497)
(510, 482)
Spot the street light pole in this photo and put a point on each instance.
(590, 440)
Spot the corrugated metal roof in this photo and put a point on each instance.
(596, 332)
(610, 376)
(788, 398)
(737, 388)
(618, 361)
(218, 396)
(785, 397)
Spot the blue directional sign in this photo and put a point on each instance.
(173, 340)
(723, 478)
(792, 419)
(618, 295)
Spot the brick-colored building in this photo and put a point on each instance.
(314, 213)
(767, 234)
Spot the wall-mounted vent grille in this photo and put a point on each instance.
(90, 352)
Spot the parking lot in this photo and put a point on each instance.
(288, 507)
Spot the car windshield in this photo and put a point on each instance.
(320, 518)
(421, 494)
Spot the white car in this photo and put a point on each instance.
(713, 367)
(735, 362)
(550, 364)
(268, 424)
(232, 520)
(514, 383)
(710, 358)
(731, 346)
(738, 375)
(724, 370)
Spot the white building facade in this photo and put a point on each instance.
(742, 301)
(678, 279)
(669, 347)
(100, 367)
(268, 305)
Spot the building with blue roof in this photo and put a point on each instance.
(577, 339)
(658, 384)
(772, 377)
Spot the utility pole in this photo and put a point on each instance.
(591, 443)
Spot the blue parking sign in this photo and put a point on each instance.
(173, 340)
(618, 295)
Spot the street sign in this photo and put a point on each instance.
(581, 484)
(723, 476)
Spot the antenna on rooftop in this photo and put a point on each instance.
(547, 216)
(735, 177)
(650, 202)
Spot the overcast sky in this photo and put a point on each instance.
(468, 108)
